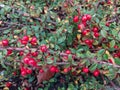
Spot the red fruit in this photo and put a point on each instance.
(24, 42)
(107, 24)
(34, 40)
(84, 23)
(76, 19)
(5, 42)
(87, 42)
(21, 53)
(25, 38)
(57, 70)
(53, 69)
(23, 73)
(9, 52)
(68, 52)
(29, 71)
(85, 32)
(8, 84)
(115, 55)
(26, 60)
(116, 47)
(95, 29)
(85, 70)
(96, 73)
(43, 48)
(96, 34)
(65, 70)
(84, 18)
(26, 88)
(32, 62)
(88, 17)
(110, 61)
(34, 54)
(80, 26)
(41, 71)
(109, 2)
(28, 54)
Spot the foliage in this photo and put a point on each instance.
(60, 44)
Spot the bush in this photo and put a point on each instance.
(60, 44)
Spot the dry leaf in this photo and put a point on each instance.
(46, 75)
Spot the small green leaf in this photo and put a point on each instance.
(100, 52)
(103, 33)
(93, 67)
(49, 61)
(117, 61)
(61, 39)
(112, 43)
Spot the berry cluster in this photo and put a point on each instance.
(96, 72)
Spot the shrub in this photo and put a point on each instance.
(60, 44)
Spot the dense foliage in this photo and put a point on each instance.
(60, 44)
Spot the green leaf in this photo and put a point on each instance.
(93, 67)
(112, 43)
(49, 61)
(117, 61)
(103, 33)
(31, 79)
(100, 52)
(61, 39)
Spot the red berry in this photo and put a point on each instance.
(76, 19)
(116, 47)
(96, 34)
(88, 17)
(53, 69)
(115, 55)
(80, 26)
(96, 73)
(85, 32)
(34, 54)
(107, 24)
(23, 73)
(84, 23)
(41, 71)
(24, 42)
(110, 61)
(85, 70)
(5, 42)
(109, 2)
(57, 70)
(87, 42)
(43, 48)
(84, 18)
(25, 38)
(26, 60)
(8, 84)
(29, 71)
(21, 53)
(65, 70)
(32, 62)
(95, 29)
(34, 40)
(9, 52)
(68, 52)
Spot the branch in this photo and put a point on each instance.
(63, 54)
